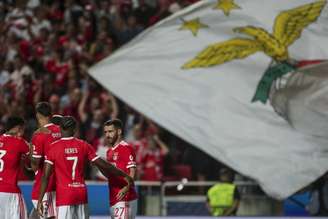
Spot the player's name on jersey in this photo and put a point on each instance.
(70, 150)
(56, 135)
(76, 184)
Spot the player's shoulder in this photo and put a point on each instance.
(12, 138)
(55, 145)
(125, 146)
(16, 140)
(40, 132)
(80, 141)
(58, 141)
(52, 127)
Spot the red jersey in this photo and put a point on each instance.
(69, 156)
(41, 142)
(11, 150)
(123, 157)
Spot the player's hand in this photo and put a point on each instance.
(120, 195)
(40, 209)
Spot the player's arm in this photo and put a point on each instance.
(34, 157)
(35, 163)
(25, 162)
(131, 163)
(25, 166)
(133, 172)
(47, 170)
(36, 149)
(108, 169)
(164, 148)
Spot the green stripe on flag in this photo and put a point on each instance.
(272, 74)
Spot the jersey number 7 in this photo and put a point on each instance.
(74, 159)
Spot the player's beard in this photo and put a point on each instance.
(112, 140)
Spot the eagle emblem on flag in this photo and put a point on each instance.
(288, 27)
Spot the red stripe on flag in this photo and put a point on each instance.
(308, 62)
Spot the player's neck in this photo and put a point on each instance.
(117, 142)
(43, 122)
(12, 133)
(67, 136)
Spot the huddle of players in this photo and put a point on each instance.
(58, 160)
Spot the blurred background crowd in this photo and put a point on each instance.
(46, 48)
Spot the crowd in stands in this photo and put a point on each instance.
(46, 48)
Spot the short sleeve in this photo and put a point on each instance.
(131, 158)
(91, 153)
(37, 142)
(50, 157)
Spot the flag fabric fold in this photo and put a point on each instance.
(196, 73)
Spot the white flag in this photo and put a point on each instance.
(208, 73)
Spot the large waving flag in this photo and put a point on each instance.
(220, 74)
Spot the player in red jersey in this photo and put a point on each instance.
(67, 157)
(44, 136)
(12, 148)
(121, 155)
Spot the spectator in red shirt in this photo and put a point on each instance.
(153, 159)
(139, 145)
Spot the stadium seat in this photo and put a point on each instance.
(182, 171)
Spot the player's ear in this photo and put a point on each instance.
(119, 131)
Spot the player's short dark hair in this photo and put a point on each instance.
(115, 122)
(44, 108)
(68, 123)
(14, 121)
(56, 119)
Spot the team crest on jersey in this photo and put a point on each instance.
(131, 157)
(115, 156)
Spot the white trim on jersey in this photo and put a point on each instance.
(49, 162)
(47, 125)
(131, 165)
(95, 158)
(36, 156)
(67, 138)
